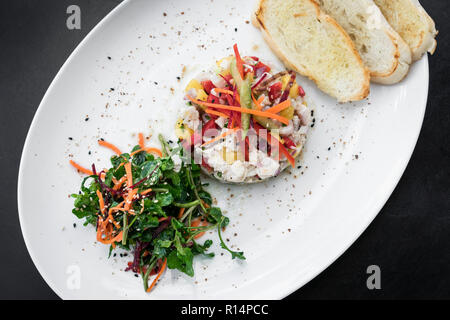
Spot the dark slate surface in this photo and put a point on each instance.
(409, 240)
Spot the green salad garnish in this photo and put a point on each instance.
(155, 207)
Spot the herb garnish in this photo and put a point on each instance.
(158, 213)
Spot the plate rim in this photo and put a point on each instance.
(394, 182)
(281, 294)
(25, 148)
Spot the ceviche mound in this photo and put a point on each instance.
(244, 121)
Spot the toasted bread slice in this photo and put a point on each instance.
(413, 24)
(313, 44)
(382, 50)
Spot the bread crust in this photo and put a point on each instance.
(428, 40)
(258, 21)
(401, 65)
(425, 41)
(399, 58)
(395, 63)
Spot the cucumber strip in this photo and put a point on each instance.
(245, 94)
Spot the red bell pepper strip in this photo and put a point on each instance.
(275, 91)
(259, 81)
(212, 99)
(260, 68)
(227, 79)
(239, 62)
(229, 99)
(301, 92)
(289, 143)
(208, 86)
(236, 118)
(211, 124)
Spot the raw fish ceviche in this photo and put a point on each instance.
(151, 202)
(243, 121)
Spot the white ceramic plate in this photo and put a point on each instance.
(291, 228)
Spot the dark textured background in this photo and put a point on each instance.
(409, 240)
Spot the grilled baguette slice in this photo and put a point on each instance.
(382, 50)
(413, 24)
(313, 44)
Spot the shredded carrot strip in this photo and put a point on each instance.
(261, 99)
(162, 219)
(105, 229)
(110, 146)
(288, 156)
(80, 168)
(257, 103)
(220, 90)
(205, 204)
(111, 219)
(154, 150)
(137, 151)
(216, 113)
(111, 241)
(219, 137)
(180, 214)
(280, 107)
(201, 234)
(199, 223)
(141, 140)
(129, 174)
(116, 208)
(158, 276)
(196, 222)
(146, 191)
(114, 222)
(100, 229)
(110, 213)
(101, 201)
(149, 150)
(129, 199)
(119, 183)
(244, 110)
